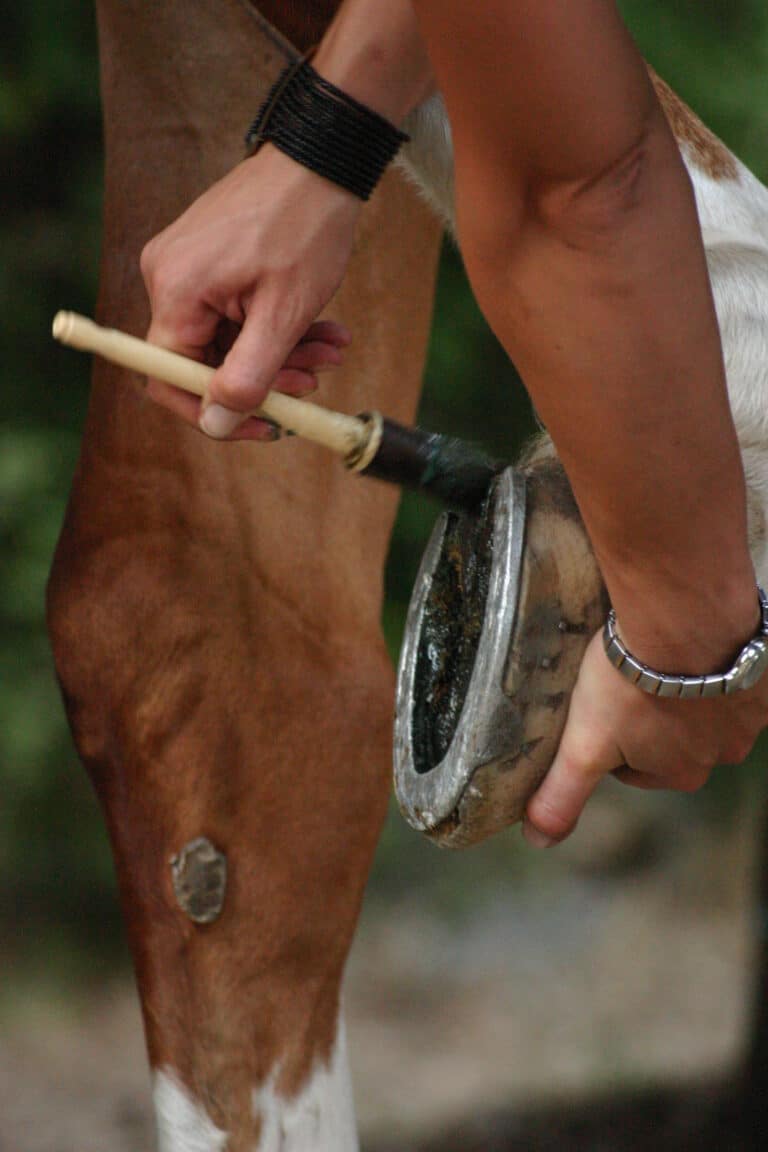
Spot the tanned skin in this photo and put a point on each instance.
(578, 227)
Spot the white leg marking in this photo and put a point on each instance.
(734, 222)
(320, 1119)
(182, 1124)
(428, 158)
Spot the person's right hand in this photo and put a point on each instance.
(238, 282)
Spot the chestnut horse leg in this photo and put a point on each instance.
(214, 612)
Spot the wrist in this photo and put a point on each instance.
(742, 672)
(382, 63)
(375, 82)
(689, 626)
(324, 128)
(269, 167)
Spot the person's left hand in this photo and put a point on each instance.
(645, 741)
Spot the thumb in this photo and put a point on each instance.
(244, 378)
(579, 765)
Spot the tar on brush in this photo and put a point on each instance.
(451, 471)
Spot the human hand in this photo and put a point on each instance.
(238, 282)
(645, 741)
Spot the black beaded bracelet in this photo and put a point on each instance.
(320, 126)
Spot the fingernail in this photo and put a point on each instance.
(220, 422)
(534, 837)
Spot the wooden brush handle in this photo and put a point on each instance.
(347, 436)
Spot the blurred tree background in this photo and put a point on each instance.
(56, 886)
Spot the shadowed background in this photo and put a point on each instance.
(446, 940)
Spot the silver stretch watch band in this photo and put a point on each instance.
(749, 666)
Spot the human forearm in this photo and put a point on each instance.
(374, 52)
(616, 337)
(267, 247)
(580, 236)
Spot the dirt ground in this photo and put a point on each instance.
(605, 970)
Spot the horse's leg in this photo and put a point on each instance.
(214, 611)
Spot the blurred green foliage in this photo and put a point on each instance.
(55, 876)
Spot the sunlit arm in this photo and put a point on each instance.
(578, 227)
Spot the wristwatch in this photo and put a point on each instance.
(749, 666)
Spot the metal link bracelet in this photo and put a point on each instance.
(749, 666)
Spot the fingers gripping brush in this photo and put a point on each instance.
(506, 600)
(452, 471)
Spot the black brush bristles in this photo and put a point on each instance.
(452, 471)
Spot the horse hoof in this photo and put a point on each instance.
(502, 610)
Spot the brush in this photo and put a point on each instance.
(452, 471)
